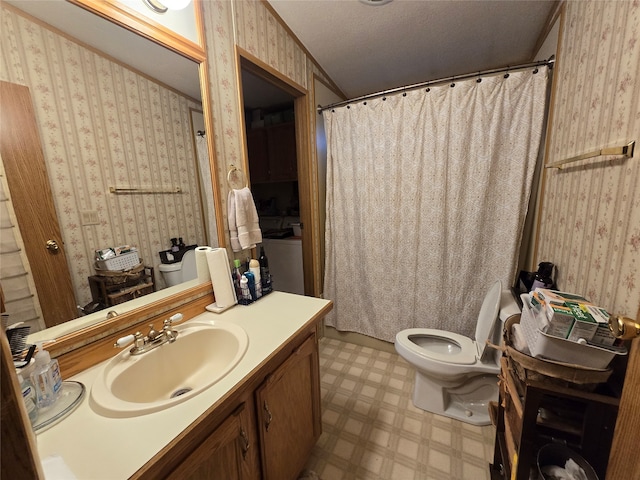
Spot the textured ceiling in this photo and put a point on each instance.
(366, 49)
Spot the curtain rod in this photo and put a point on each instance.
(548, 63)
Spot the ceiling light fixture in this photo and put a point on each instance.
(164, 5)
(375, 3)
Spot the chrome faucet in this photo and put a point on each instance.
(153, 339)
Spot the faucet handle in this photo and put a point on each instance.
(124, 341)
(173, 318)
(127, 339)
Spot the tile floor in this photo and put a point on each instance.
(371, 430)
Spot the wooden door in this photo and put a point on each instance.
(32, 200)
(288, 406)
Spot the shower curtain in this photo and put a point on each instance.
(204, 169)
(426, 197)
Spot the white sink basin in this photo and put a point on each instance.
(203, 353)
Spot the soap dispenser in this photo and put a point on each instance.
(46, 378)
(29, 398)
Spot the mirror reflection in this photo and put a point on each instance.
(124, 162)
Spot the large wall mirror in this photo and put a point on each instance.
(118, 117)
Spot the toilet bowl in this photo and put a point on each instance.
(455, 375)
(179, 272)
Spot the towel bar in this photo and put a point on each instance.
(625, 150)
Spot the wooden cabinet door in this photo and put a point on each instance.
(257, 150)
(222, 455)
(288, 406)
(282, 153)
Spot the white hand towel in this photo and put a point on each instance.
(243, 220)
(233, 229)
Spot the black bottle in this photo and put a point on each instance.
(265, 277)
(543, 276)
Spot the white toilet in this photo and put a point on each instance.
(455, 375)
(182, 271)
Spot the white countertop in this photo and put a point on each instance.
(96, 447)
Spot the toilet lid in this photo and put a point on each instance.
(487, 316)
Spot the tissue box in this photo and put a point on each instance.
(584, 325)
(560, 320)
(602, 335)
(544, 295)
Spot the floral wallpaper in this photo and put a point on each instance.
(250, 25)
(103, 125)
(590, 219)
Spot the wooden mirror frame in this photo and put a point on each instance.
(133, 21)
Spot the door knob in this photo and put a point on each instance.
(53, 246)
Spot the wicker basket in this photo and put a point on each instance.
(527, 367)
(124, 261)
(114, 277)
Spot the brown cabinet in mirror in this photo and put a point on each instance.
(272, 153)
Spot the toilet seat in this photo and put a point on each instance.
(466, 356)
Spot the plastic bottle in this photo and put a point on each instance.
(46, 378)
(251, 283)
(29, 398)
(236, 275)
(174, 245)
(246, 294)
(543, 276)
(265, 277)
(254, 267)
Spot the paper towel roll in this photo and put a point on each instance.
(202, 267)
(218, 263)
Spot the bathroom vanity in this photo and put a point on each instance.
(260, 420)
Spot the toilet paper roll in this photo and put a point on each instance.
(202, 267)
(218, 263)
